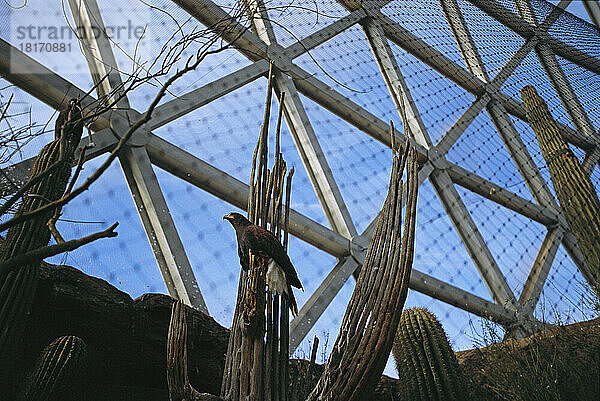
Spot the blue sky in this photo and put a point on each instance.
(224, 132)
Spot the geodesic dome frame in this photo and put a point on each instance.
(343, 240)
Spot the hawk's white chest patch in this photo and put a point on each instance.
(276, 278)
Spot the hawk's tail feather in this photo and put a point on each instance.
(292, 301)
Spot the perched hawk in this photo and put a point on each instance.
(281, 275)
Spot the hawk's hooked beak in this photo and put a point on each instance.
(228, 217)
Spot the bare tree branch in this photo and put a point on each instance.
(190, 65)
(44, 252)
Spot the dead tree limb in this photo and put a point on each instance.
(44, 252)
(256, 369)
(365, 340)
(178, 382)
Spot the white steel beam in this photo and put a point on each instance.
(515, 146)
(320, 299)
(497, 112)
(213, 16)
(161, 231)
(405, 105)
(514, 62)
(255, 48)
(541, 267)
(579, 117)
(429, 55)
(419, 281)
(442, 64)
(147, 195)
(305, 138)
(324, 34)
(482, 101)
(459, 127)
(197, 98)
(97, 49)
(592, 7)
(520, 155)
(463, 39)
(210, 14)
(167, 160)
(452, 295)
(38, 78)
(572, 54)
(50, 88)
(500, 118)
(313, 159)
(527, 30)
(184, 104)
(501, 196)
(343, 107)
(53, 89)
(455, 208)
(311, 87)
(42, 83)
(472, 239)
(386, 127)
(202, 175)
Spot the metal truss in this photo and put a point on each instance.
(260, 45)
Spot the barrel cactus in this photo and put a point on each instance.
(426, 364)
(59, 371)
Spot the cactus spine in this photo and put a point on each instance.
(18, 285)
(575, 192)
(59, 370)
(426, 364)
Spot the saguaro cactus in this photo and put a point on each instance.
(575, 192)
(59, 371)
(426, 364)
(17, 285)
(363, 345)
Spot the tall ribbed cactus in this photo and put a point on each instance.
(59, 371)
(426, 364)
(17, 285)
(575, 192)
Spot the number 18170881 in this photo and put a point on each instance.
(44, 47)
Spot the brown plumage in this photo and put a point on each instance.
(264, 244)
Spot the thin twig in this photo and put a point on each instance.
(51, 250)
(113, 155)
(51, 224)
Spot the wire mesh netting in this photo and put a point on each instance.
(223, 133)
